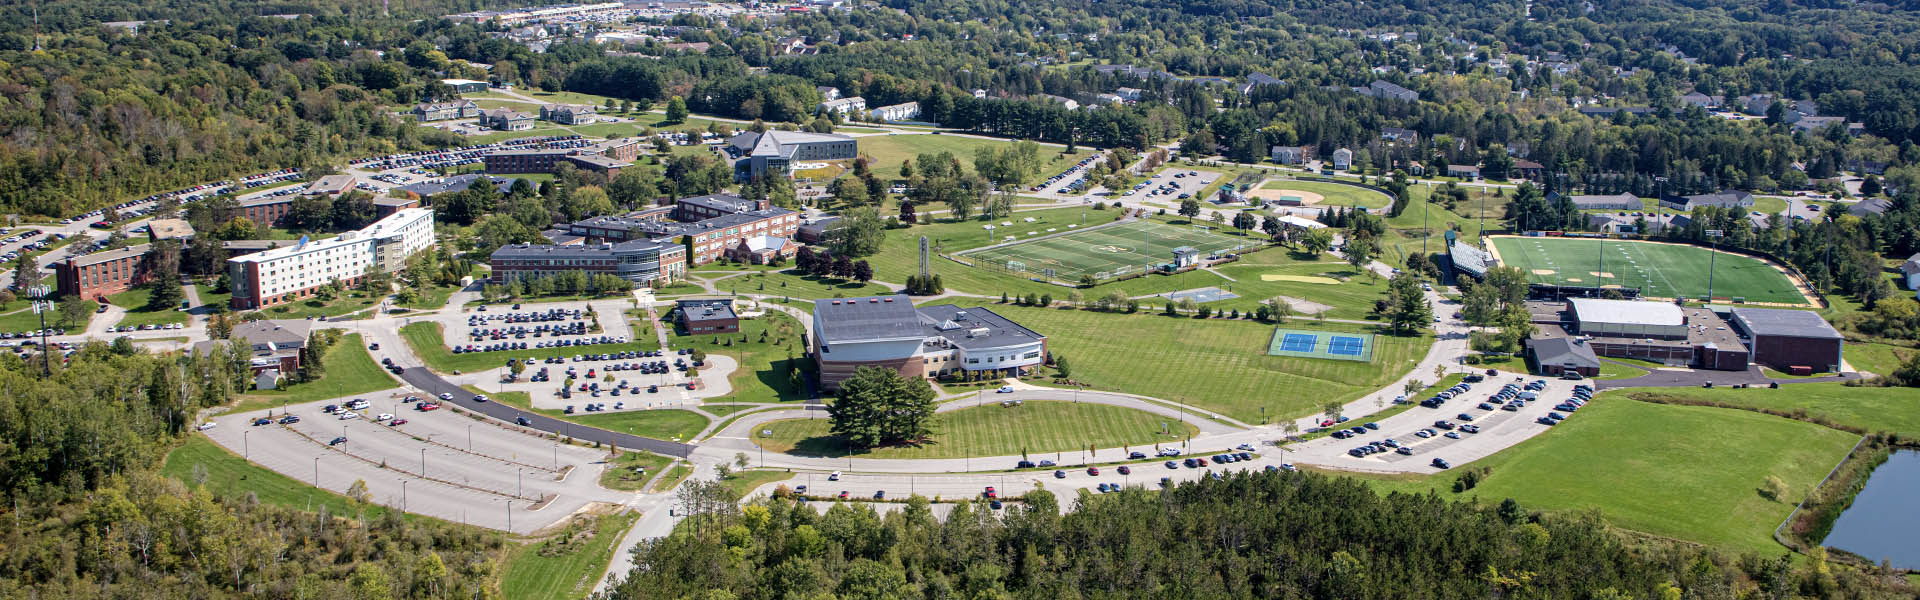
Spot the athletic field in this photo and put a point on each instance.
(1659, 270)
(1105, 252)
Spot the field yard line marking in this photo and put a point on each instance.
(1673, 289)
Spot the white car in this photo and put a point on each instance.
(349, 415)
(207, 425)
(446, 396)
(1005, 389)
(384, 417)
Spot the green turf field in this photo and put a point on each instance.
(887, 151)
(1687, 472)
(1334, 194)
(993, 430)
(1217, 364)
(1659, 270)
(1104, 252)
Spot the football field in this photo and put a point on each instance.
(1659, 270)
(1103, 253)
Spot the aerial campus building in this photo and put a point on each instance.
(774, 152)
(1571, 335)
(281, 275)
(930, 341)
(643, 262)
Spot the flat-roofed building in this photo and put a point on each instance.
(643, 262)
(1628, 318)
(104, 273)
(1789, 340)
(170, 229)
(296, 271)
(706, 315)
(329, 185)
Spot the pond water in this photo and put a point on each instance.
(1882, 524)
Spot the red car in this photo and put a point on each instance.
(398, 422)
(1093, 471)
(1327, 423)
(1126, 471)
(843, 494)
(430, 407)
(991, 493)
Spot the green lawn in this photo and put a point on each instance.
(991, 430)
(741, 482)
(679, 473)
(791, 283)
(762, 376)
(432, 298)
(1351, 299)
(227, 474)
(138, 313)
(209, 298)
(887, 152)
(659, 121)
(1217, 364)
(352, 301)
(1763, 204)
(1871, 408)
(1334, 194)
(349, 370)
(620, 474)
(1114, 250)
(23, 319)
(531, 574)
(1692, 473)
(1879, 359)
(431, 347)
(1661, 270)
(661, 424)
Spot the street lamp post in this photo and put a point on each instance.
(41, 306)
(316, 471)
(246, 449)
(403, 495)
(423, 462)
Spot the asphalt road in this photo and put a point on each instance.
(434, 385)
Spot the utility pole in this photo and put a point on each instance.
(1712, 236)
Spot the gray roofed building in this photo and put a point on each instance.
(1555, 354)
(1467, 258)
(1622, 201)
(453, 183)
(876, 318)
(1257, 80)
(774, 152)
(1784, 322)
(974, 328)
(1386, 90)
(1733, 199)
(1870, 206)
(330, 185)
(275, 343)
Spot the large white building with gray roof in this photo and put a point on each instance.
(774, 152)
(930, 341)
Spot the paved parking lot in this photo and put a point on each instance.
(669, 387)
(1166, 186)
(1499, 430)
(438, 463)
(610, 315)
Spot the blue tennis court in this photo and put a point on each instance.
(1321, 344)
(1346, 345)
(1296, 342)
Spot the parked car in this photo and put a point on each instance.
(337, 441)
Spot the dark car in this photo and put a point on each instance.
(1136, 455)
(262, 421)
(338, 441)
(1439, 463)
(1025, 464)
(289, 419)
(1124, 470)
(1059, 474)
(880, 494)
(523, 421)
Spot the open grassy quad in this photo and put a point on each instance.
(791, 283)
(991, 430)
(1686, 472)
(1218, 364)
(1871, 408)
(22, 319)
(1113, 250)
(138, 313)
(1334, 194)
(1276, 272)
(350, 302)
(566, 565)
(349, 370)
(887, 152)
(764, 347)
(899, 254)
(659, 424)
(208, 297)
(1660, 270)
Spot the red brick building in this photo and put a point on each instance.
(103, 273)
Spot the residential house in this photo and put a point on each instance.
(1258, 80)
(1389, 91)
(1910, 272)
(1342, 159)
(1464, 171)
(1696, 98)
(1526, 169)
(1061, 100)
(1129, 94)
(1397, 134)
(441, 111)
(905, 111)
(1734, 199)
(844, 106)
(1290, 155)
(828, 92)
(567, 114)
(1870, 206)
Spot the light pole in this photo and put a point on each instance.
(316, 471)
(246, 452)
(403, 495)
(519, 485)
(41, 306)
(423, 462)
(469, 437)
(1713, 235)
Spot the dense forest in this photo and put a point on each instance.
(1271, 535)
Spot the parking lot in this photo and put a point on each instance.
(1071, 182)
(1170, 186)
(633, 387)
(1498, 430)
(436, 463)
(537, 325)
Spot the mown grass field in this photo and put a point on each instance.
(1218, 364)
(227, 475)
(620, 474)
(1351, 299)
(741, 482)
(1660, 270)
(352, 301)
(138, 313)
(659, 423)
(789, 283)
(888, 151)
(1872, 408)
(570, 574)
(1334, 194)
(1116, 249)
(22, 319)
(1692, 473)
(349, 370)
(992, 430)
(762, 376)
